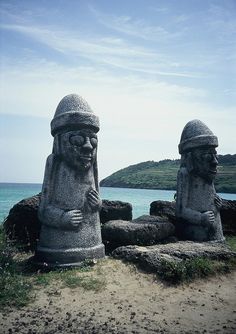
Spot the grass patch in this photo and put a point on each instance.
(231, 242)
(188, 270)
(73, 278)
(15, 289)
(85, 282)
(19, 279)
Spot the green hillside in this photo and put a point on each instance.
(162, 175)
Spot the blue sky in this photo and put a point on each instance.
(146, 67)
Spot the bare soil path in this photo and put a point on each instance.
(128, 302)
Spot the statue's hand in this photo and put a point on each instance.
(72, 219)
(94, 199)
(218, 202)
(208, 218)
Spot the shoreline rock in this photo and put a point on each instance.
(153, 258)
(145, 230)
(23, 226)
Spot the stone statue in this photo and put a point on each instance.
(69, 207)
(197, 204)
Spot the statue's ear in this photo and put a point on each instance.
(56, 146)
(189, 162)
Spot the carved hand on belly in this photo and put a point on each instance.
(94, 199)
(72, 219)
(208, 218)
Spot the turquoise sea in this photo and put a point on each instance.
(11, 193)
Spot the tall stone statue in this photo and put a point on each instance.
(70, 203)
(197, 204)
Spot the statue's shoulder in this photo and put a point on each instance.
(51, 159)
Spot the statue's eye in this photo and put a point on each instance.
(208, 156)
(94, 141)
(77, 140)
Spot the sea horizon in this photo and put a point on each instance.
(13, 192)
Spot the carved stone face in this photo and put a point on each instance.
(78, 148)
(205, 162)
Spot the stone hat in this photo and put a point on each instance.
(73, 112)
(196, 134)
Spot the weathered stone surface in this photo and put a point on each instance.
(146, 230)
(22, 223)
(113, 210)
(197, 204)
(69, 207)
(228, 216)
(227, 213)
(163, 209)
(150, 258)
(23, 226)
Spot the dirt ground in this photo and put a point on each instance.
(129, 302)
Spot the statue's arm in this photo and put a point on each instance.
(48, 213)
(182, 209)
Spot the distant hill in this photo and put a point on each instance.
(162, 175)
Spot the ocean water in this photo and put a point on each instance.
(11, 193)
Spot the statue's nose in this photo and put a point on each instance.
(87, 144)
(214, 160)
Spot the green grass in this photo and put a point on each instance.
(86, 282)
(19, 281)
(163, 175)
(15, 288)
(188, 270)
(231, 242)
(73, 278)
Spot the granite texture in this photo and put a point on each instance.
(145, 230)
(151, 258)
(113, 210)
(69, 207)
(197, 205)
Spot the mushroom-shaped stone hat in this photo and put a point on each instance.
(196, 134)
(72, 113)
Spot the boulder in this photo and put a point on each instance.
(153, 258)
(113, 210)
(23, 226)
(163, 209)
(228, 214)
(145, 230)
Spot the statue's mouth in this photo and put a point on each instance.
(86, 157)
(213, 171)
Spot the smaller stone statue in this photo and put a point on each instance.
(197, 204)
(69, 207)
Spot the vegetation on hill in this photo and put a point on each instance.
(162, 175)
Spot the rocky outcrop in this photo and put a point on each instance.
(164, 209)
(145, 230)
(22, 224)
(113, 210)
(228, 214)
(153, 258)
